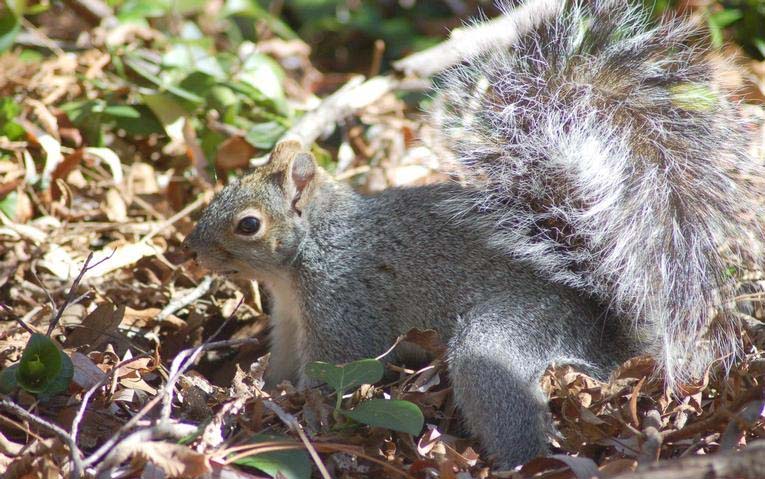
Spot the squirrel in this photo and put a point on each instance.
(598, 219)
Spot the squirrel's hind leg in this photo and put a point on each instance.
(496, 389)
(497, 355)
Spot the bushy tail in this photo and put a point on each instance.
(604, 154)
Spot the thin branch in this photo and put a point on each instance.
(465, 43)
(181, 302)
(74, 451)
(291, 422)
(71, 296)
(201, 200)
(356, 94)
(749, 463)
(86, 398)
(112, 441)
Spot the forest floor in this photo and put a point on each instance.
(109, 155)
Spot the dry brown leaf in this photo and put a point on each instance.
(98, 328)
(173, 459)
(86, 373)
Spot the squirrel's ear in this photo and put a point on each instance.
(302, 172)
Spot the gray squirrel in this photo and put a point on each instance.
(599, 218)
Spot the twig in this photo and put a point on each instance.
(202, 199)
(183, 362)
(157, 431)
(44, 39)
(110, 443)
(71, 297)
(74, 451)
(291, 422)
(86, 398)
(464, 43)
(749, 463)
(181, 302)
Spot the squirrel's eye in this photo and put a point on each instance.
(249, 225)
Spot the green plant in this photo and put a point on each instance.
(43, 370)
(394, 414)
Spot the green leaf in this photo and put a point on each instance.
(144, 69)
(8, 382)
(251, 9)
(122, 111)
(394, 414)
(9, 110)
(9, 28)
(40, 364)
(264, 135)
(146, 123)
(347, 377)
(723, 18)
(9, 204)
(170, 113)
(60, 383)
(292, 464)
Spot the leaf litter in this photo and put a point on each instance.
(104, 161)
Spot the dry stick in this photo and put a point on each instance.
(109, 444)
(71, 297)
(183, 361)
(74, 451)
(181, 302)
(749, 463)
(292, 423)
(465, 43)
(86, 398)
(713, 421)
(176, 370)
(157, 431)
(202, 199)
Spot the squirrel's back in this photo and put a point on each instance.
(606, 155)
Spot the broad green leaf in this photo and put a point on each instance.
(169, 112)
(8, 382)
(263, 73)
(60, 383)
(251, 9)
(122, 111)
(143, 68)
(723, 18)
(146, 123)
(190, 57)
(292, 464)
(9, 28)
(40, 364)
(394, 414)
(347, 377)
(8, 205)
(133, 10)
(264, 135)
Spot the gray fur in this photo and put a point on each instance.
(592, 220)
(603, 154)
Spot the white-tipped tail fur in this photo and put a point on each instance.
(603, 153)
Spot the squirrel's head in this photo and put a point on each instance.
(254, 226)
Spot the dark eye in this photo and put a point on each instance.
(249, 225)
